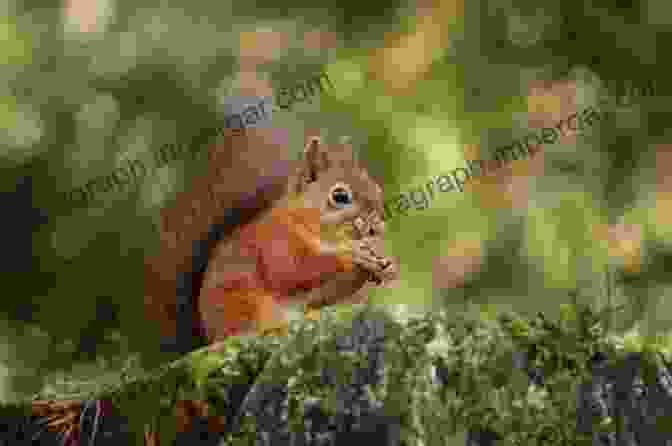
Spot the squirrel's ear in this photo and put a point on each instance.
(318, 157)
(315, 159)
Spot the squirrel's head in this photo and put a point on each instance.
(330, 178)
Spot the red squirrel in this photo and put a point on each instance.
(312, 237)
(295, 251)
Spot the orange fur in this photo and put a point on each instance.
(285, 244)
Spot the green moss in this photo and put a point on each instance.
(483, 387)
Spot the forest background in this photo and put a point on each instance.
(414, 89)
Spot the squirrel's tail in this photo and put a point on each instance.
(237, 187)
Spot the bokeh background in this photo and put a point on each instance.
(421, 86)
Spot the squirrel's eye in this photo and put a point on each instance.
(340, 196)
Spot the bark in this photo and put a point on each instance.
(253, 389)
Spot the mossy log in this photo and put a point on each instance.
(389, 382)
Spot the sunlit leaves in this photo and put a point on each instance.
(563, 236)
(15, 46)
(418, 48)
(545, 244)
(462, 257)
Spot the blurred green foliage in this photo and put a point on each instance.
(74, 105)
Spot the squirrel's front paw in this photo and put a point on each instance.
(390, 272)
(365, 255)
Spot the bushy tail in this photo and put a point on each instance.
(236, 188)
